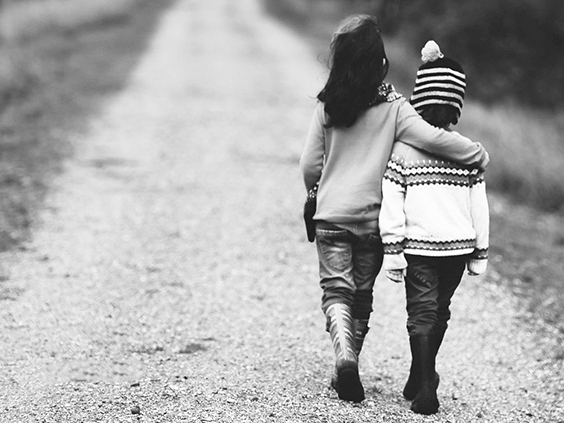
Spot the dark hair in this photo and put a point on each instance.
(440, 115)
(358, 67)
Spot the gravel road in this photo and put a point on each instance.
(170, 279)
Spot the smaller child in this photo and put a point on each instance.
(434, 223)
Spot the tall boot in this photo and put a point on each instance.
(412, 385)
(340, 326)
(360, 330)
(439, 336)
(423, 349)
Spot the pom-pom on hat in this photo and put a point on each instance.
(439, 80)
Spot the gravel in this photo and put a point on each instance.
(170, 279)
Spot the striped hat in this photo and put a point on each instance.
(439, 80)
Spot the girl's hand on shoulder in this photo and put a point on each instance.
(396, 275)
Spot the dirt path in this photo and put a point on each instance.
(171, 271)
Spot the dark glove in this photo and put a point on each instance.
(310, 207)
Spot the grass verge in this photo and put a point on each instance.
(526, 243)
(50, 81)
(32, 18)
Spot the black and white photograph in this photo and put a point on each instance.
(281, 211)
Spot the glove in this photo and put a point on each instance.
(310, 207)
(396, 275)
(476, 266)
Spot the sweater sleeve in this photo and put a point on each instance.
(392, 215)
(413, 130)
(481, 221)
(311, 161)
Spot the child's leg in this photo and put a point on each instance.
(334, 247)
(335, 253)
(422, 293)
(368, 254)
(421, 286)
(451, 271)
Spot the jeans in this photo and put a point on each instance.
(430, 284)
(348, 266)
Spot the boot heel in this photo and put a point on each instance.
(426, 402)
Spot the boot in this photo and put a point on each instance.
(412, 385)
(360, 331)
(340, 326)
(439, 336)
(423, 349)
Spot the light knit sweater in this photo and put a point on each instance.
(349, 163)
(432, 207)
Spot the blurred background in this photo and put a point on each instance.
(68, 53)
(59, 60)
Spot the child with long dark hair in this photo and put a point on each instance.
(357, 120)
(434, 222)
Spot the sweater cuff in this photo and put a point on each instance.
(484, 162)
(394, 261)
(477, 266)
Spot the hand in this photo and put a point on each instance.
(477, 266)
(482, 166)
(396, 275)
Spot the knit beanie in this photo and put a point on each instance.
(439, 80)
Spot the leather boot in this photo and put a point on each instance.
(423, 349)
(340, 326)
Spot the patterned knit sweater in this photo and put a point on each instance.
(432, 207)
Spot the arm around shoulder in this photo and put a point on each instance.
(413, 130)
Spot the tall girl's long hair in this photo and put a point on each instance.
(358, 67)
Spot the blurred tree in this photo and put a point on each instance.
(389, 13)
(509, 48)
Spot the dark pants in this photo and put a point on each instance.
(430, 284)
(348, 266)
